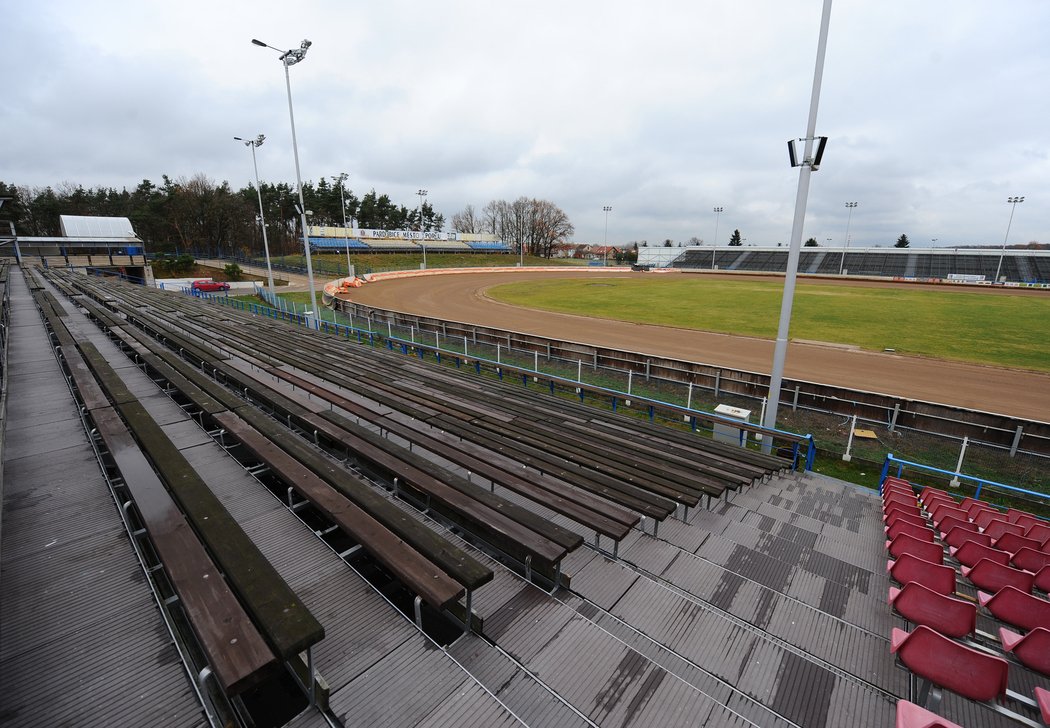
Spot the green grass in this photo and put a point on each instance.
(975, 327)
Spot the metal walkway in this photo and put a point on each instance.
(82, 641)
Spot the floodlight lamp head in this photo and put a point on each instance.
(259, 140)
(296, 54)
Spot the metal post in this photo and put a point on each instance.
(794, 400)
(958, 466)
(896, 411)
(849, 218)
(579, 370)
(689, 397)
(802, 195)
(1013, 206)
(1017, 441)
(846, 456)
(630, 379)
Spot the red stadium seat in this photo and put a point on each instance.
(959, 535)
(897, 504)
(943, 510)
(1042, 579)
(931, 492)
(1029, 559)
(936, 577)
(923, 532)
(1016, 607)
(919, 605)
(1042, 699)
(910, 715)
(950, 522)
(991, 576)
(971, 552)
(899, 495)
(1031, 650)
(968, 672)
(914, 520)
(999, 528)
(898, 508)
(905, 543)
(1039, 531)
(986, 518)
(1014, 515)
(1012, 543)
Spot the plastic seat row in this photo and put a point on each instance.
(927, 599)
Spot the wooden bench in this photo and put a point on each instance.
(234, 649)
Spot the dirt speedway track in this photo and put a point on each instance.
(462, 298)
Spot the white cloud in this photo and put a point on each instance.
(936, 111)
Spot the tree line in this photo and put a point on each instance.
(529, 225)
(199, 214)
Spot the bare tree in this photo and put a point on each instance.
(467, 221)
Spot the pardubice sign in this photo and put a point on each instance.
(368, 234)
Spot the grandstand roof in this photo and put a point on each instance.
(83, 226)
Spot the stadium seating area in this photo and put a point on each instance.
(1017, 266)
(966, 568)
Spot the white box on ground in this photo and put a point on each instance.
(724, 432)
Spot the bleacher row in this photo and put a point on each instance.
(388, 245)
(367, 410)
(999, 556)
(86, 261)
(889, 263)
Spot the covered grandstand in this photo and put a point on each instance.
(107, 244)
(327, 238)
(975, 265)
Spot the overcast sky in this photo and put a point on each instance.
(937, 111)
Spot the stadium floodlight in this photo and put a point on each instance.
(422, 240)
(849, 218)
(253, 143)
(343, 177)
(606, 209)
(1012, 201)
(807, 166)
(714, 241)
(290, 58)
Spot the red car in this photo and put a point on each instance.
(210, 286)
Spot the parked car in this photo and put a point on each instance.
(209, 286)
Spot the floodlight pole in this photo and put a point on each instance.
(342, 203)
(849, 218)
(290, 58)
(422, 195)
(805, 170)
(1013, 206)
(253, 143)
(714, 241)
(607, 209)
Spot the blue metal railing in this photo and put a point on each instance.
(980, 482)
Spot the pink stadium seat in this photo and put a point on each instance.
(985, 518)
(926, 534)
(897, 486)
(991, 576)
(1012, 543)
(936, 577)
(998, 528)
(1042, 699)
(1031, 650)
(959, 535)
(1029, 559)
(1016, 607)
(1027, 520)
(933, 500)
(919, 605)
(968, 672)
(905, 543)
(910, 715)
(914, 520)
(971, 552)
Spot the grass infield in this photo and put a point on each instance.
(985, 328)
